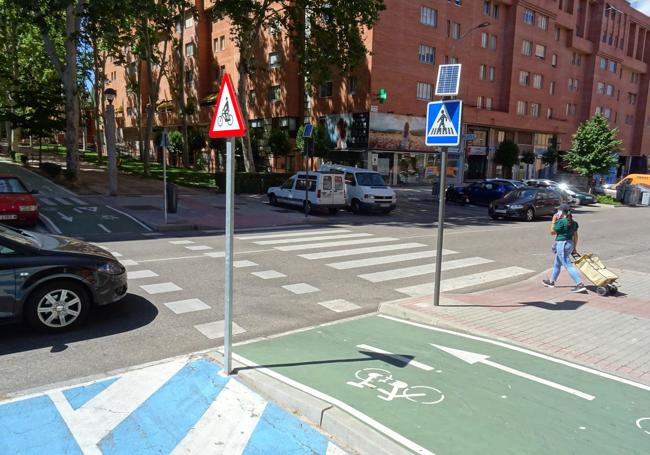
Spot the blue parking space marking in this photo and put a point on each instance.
(78, 396)
(34, 426)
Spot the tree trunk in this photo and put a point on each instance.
(247, 151)
(98, 94)
(182, 108)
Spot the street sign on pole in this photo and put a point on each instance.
(227, 122)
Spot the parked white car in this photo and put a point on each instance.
(324, 190)
(365, 190)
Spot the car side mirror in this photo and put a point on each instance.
(33, 192)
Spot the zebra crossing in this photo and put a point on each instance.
(51, 201)
(388, 260)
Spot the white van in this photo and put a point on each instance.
(365, 189)
(326, 190)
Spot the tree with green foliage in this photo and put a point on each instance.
(550, 156)
(528, 157)
(279, 142)
(334, 39)
(593, 148)
(507, 155)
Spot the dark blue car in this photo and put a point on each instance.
(483, 192)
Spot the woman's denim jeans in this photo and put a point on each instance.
(563, 250)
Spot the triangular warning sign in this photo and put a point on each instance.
(227, 120)
(442, 125)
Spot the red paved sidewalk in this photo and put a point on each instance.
(608, 333)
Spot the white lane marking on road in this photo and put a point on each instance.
(293, 234)
(62, 201)
(104, 228)
(424, 269)
(356, 251)
(171, 259)
(453, 284)
(139, 274)
(128, 262)
(400, 358)
(103, 413)
(215, 254)
(181, 242)
(313, 239)
(214, 330)
(227, 425)
(268, 274)
(386, 259)
(187, 306)
(134, 219)
(301, 288)
(314, 246)
(522, 350)
(473, 358)
(153, 234)
(48, 222)
(242, 264)
(46, 201)
(199, 248)
(395, 436)
(64, 217)
(116, 254)
(160, 288)
(77, 200)
(333, 449)
(339, 305)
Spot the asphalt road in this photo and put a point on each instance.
(295, 278)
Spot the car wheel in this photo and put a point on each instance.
(273, 199)
(57, 306)
(530, 215)
(333, 211)
(356, 208)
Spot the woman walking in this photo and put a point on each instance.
(565, 230)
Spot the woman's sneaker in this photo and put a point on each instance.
(548, 283)
(579, 288)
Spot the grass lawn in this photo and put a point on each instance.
(608, 200)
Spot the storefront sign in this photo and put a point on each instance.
(348, 131)
(477, 151)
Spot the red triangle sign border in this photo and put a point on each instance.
(226, 84)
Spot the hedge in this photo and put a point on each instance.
(252, 182)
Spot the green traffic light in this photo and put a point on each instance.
(382, 96)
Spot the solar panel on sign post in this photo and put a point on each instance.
(448, 80)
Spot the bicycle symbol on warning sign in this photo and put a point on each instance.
(373, 377)
(225, 115)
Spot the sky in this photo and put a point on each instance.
(642, 5)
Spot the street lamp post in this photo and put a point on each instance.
(110, 141)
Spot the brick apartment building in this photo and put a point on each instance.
(532, 72)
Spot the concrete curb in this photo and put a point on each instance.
(346, 431)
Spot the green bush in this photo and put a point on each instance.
(24, 159)
(51, 169)
(605, 199)
(252, 182)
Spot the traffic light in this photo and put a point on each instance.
(382, 96)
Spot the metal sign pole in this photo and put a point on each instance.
(441, 223)
(307, 144)
(164, 159)
(230, 224)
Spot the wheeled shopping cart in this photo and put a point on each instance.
(594, 269)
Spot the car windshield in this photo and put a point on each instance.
(370, 179)
(521, 194)
(11, 185)
(23, 237)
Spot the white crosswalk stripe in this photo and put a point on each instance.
(47, 201)
(358, 251)
(386, 259)
(466, 281)
(77, 201)
(313, 246)
(418, 270)
(62, 201)
(312, 239)
(293, 234)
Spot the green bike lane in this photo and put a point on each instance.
(445, 392)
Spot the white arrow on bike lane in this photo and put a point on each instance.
(473, 358)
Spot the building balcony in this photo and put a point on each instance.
(581, 44)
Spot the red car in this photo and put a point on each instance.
(17, 205)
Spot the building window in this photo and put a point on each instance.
(573, 85)
(527, 47)
(534, 109)
(423, 91)
(484, 40)
(521, 107)
(488, 103)
(570, 110)
(529, 16)
(540, 50)
(222, 42)
(487, 7)
(493, 42)
(189, 76)
(576, 59)
(427, 54)
(551, 88)
(603, 63)
(554, 60)
(610, 90)
(455, 30)
(189, 20)
(632, 98)
(274, 60)
(549, 112)
(607, 113)
(495, 11)
(428, 16)
(189, 50)
(538, 81)
(215, 45)
(629, 119)
(598, 110)
(326, 89)
(524, 78)
(612, 66)
(491, 72)
(558, 33)
(479, 102)
(352, 85)
(600, 88)
(542, 21)
(274, 93)
(482, 72)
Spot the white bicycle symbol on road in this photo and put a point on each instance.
(371, 377)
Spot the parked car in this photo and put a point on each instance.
(53, 282)
(526, 203)
(325, 190)
(483, 192)
(583, 197)
(568, 196)
(17, 205)
(365, 190)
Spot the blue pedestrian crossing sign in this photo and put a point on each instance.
(443, 123)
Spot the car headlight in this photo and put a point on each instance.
(28, 208)
(516, 206)
(369, 197)
(112, 268)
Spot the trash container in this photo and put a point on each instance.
(645, 195)
(172, 198)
